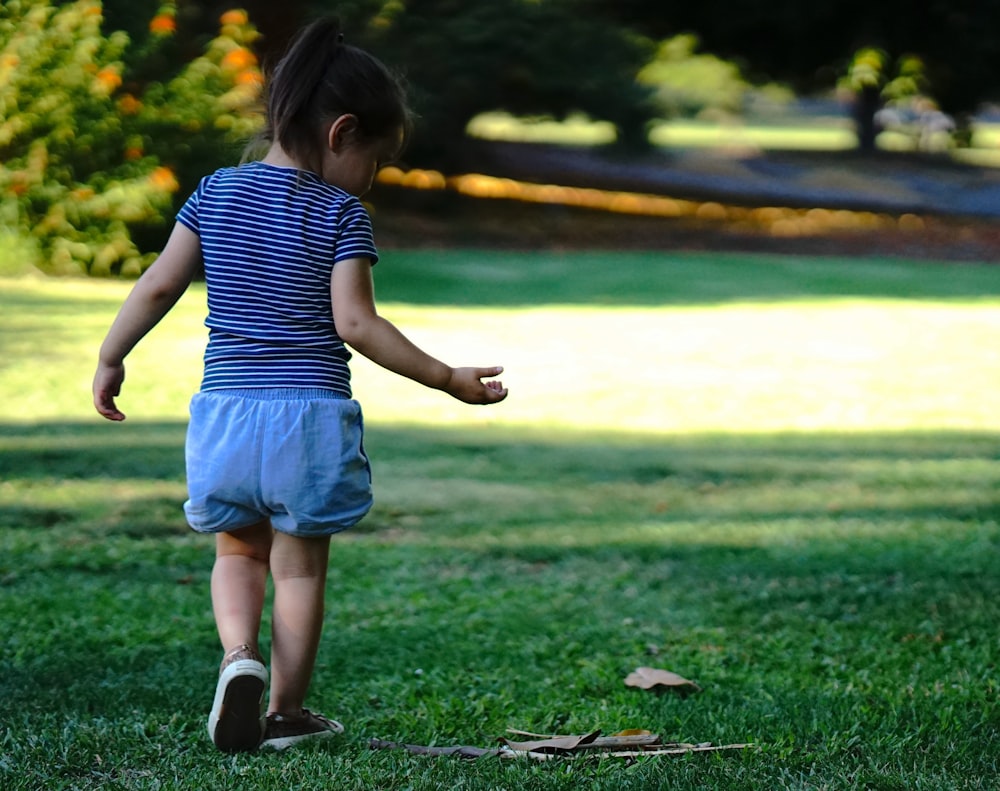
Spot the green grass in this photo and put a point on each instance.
(789, 133)
(829, 136)
(834, 592)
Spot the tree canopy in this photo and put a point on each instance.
(461, 59)
(91, 154)
(110, 111)
(554, 57)
(809, 45)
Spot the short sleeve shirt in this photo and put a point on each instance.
(270, 237)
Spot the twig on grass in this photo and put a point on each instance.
(633, 745)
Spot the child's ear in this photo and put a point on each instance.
(342, 131)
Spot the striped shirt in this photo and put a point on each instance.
(270, 237)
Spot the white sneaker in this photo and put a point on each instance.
(236, 723)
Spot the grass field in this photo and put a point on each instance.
(777, 477)
(781, 133)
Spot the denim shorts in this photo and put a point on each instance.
(295, 456)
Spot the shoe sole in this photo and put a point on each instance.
(284, 742)
(236, 723)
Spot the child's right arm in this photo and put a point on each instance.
(154, 294)
(360, 326)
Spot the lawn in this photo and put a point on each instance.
(775, 476)
(782, 132)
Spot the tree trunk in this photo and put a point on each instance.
(865, 106)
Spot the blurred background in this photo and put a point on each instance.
(844, 126)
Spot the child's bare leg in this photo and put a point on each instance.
(239, 583)
(298, 568)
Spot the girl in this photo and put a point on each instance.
(275, 461)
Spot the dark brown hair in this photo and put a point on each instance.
(319, 79)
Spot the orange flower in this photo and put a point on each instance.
(129, 105)
(108, 78)
(133, 153)
(249, 77)
(162, 25)
(163, 178)
(235, 16)
(238, 59)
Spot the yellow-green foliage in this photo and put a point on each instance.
(686, 82)
(84, 149)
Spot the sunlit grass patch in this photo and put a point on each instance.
(830, 136)
(781, 134)
(802, 365)
(775, 360)
(575, 130)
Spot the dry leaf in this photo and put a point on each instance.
(557, 744)
(656, 679)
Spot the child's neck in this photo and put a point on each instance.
(277, 156)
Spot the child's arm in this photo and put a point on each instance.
(153, 295)
(359, 325)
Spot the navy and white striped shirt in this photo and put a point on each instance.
(270, 237)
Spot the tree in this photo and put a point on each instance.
(90, 156)
(526, 57)
(686, 82)
(811, 45)
(459, 59)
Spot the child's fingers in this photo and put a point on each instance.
(467, 385)
(105, 405)
(495, 392)
(495, 389)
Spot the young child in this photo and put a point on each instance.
(275, 460)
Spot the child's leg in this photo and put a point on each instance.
(239, 582)
(298, 568)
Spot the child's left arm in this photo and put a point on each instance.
(154, 294)
(360, 326)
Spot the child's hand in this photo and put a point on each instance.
(466, 385)
(108, 384)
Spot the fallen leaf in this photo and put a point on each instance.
(656, 679)
(558, 744)
(633, 732)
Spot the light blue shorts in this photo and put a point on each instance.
(295, 456)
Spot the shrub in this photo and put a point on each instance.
(90, 155)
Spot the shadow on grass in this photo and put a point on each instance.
(535, 495)
(87, 450)
(706, 463)
(812, 584)
(469, 278)
(155, 450)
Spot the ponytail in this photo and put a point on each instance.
(321, 78)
